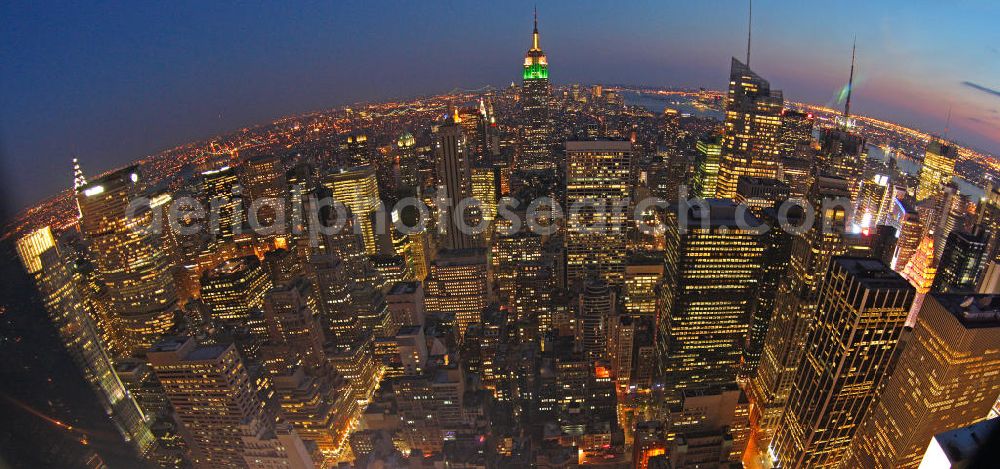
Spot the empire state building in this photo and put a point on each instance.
(535, 151)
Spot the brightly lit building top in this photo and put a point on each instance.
(536, 66)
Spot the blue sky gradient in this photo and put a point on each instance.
(114, 81)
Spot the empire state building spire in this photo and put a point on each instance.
(534, 36)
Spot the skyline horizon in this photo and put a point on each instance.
(103, 153)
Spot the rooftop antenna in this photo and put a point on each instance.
(850, 84)
(947, 124)
(535, 33)
(749, 31)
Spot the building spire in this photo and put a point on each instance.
(79, 180)
(947, 124)
(749, 32)
(850, 83)
(534, 43)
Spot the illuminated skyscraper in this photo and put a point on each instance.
(454, 183)
(129, 260)
(484, 190)
(55, 279)
(226, 424)
(706, 167)
(874, 202)
(409, 165)
(643, 274)
(234, 289)
(457, 285)
(945, 378)
(535, 148)
(357, 189)
(795, 302)
(938, 168)
(713, 268)
(860, 313)
(752, 126)
(220, 187)
(598, 175)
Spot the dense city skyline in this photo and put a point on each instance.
(114, 83)
(536, 274)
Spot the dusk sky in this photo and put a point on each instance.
(116, 81)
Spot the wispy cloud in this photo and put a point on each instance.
(982, 88)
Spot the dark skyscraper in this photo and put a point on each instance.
(961, 263)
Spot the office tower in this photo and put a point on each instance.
(292, 318)
(234, 289)
(60, 294)
(961, 264)
(874, 202)
(713, 268)
(457, 286)
(597, 191)
(750, 145)
(357, 189)
(509, 255)
(596, 310)
(621, 348)
(795, 302)
(405, 301)
(535, 150)
(759, 194)
(860, 313)
(454, 172)
(949, 212)
(777, 254)
(937, 169)
(988, 219)
(962, 447)
(409, 164)
(842, 154)
(221, 190)
(130, 262)
(643, 274)
(945, 378)
(226, 424)
(706, 167)
(264, 178)
(705, 428)
(356, 150)
(796, 131)
(484, 189)
(911, 233)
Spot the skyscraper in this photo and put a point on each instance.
(598, 175)
(53, 275)
(457, 285)
(752, 126)
(860, 313)
(961, 264)
(706, 167)
(129, 260)
(226, 424)
(536, 91)
(357, 189)
(454, 183)
(945, 378)
(938, 168)
(234, 289)
(713, 267)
